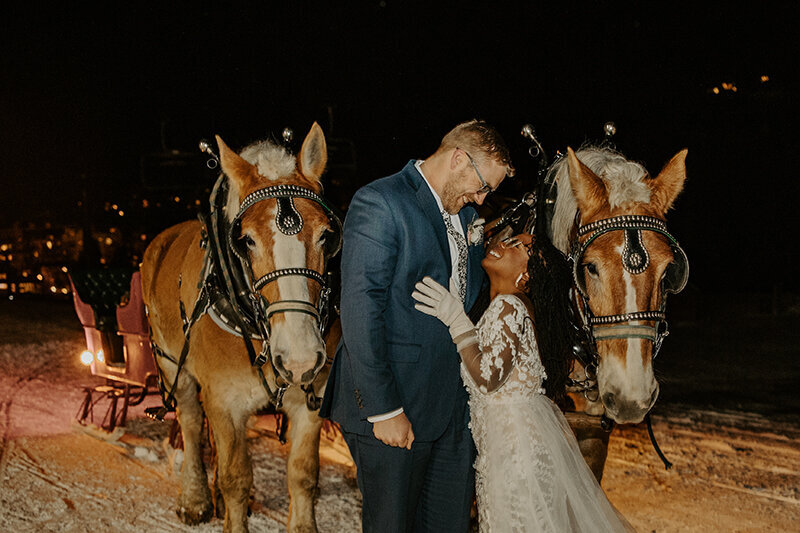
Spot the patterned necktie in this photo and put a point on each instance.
(461, 244)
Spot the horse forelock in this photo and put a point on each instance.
(275, 166)
(624, 180)
(272, 161)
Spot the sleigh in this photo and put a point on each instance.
(109, 305)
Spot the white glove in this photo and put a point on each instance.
(435, 300)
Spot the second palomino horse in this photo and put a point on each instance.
(245, 289)
(609, 218)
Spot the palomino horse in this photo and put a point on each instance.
(609, 219)
(279, 232)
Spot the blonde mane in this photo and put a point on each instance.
(623, 178)
(272, 161)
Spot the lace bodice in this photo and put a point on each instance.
(505, 364)
(530, 476)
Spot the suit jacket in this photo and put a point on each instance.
(392, 355)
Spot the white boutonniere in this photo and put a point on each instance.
(475, 232)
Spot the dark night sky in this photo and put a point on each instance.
(86, 92)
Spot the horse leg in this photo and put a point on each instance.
(194, 502)
(303, 465)
(592, 440)
(235, 475)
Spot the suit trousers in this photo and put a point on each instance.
(428, 488)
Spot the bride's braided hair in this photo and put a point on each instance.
(547, 288)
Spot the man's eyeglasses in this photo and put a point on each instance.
(485, 189)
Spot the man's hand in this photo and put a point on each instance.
(395, 431)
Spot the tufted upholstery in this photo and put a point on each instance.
(102, 289)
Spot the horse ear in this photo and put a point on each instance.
(236, 168)
(590, 191)
(669, 183)
(314, 154)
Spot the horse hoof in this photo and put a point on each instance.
(192, 517)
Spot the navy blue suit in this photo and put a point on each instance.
(393, 356)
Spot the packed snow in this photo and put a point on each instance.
(734, 470)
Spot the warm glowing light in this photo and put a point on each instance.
(114, 207)
(715, 90)
(53, 289)
(39, 277)
(64, 269)
(108, 241)
(49, 245)
(101, 356)
(145, 203)
(3, 286)
(3, 247)
(11, 297)
(764, 78)
(64, 290)
(177, 199)
(197, 202)
(87, 357)
(143, 236)
(121, 213)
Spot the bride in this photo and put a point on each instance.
(530, 473)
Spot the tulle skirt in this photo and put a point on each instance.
(531, 476)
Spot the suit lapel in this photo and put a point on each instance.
(428, 204)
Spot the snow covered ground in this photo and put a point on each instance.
(734, 470)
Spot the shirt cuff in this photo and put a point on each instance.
(385, 416)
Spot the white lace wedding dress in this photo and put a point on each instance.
(530, 473)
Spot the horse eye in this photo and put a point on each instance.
(324, 237)
(247, 240)
(591, 268)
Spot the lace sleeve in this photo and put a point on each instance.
(491, 360)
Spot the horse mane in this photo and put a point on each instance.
(624, 179)
(272, 162)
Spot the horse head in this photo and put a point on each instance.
(285, 233)
(625, 262)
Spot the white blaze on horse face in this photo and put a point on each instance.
(633, 382)
(296, 338)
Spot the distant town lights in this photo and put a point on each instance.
(39, 277)
(764, 78)
(49, 245)
(53, 289)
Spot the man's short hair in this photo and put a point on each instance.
(481, 140)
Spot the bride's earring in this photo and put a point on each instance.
(520, 278)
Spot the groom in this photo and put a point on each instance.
(395, 385)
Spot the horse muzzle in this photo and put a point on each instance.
(625, 410)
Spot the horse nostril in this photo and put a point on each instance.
(609, 400)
